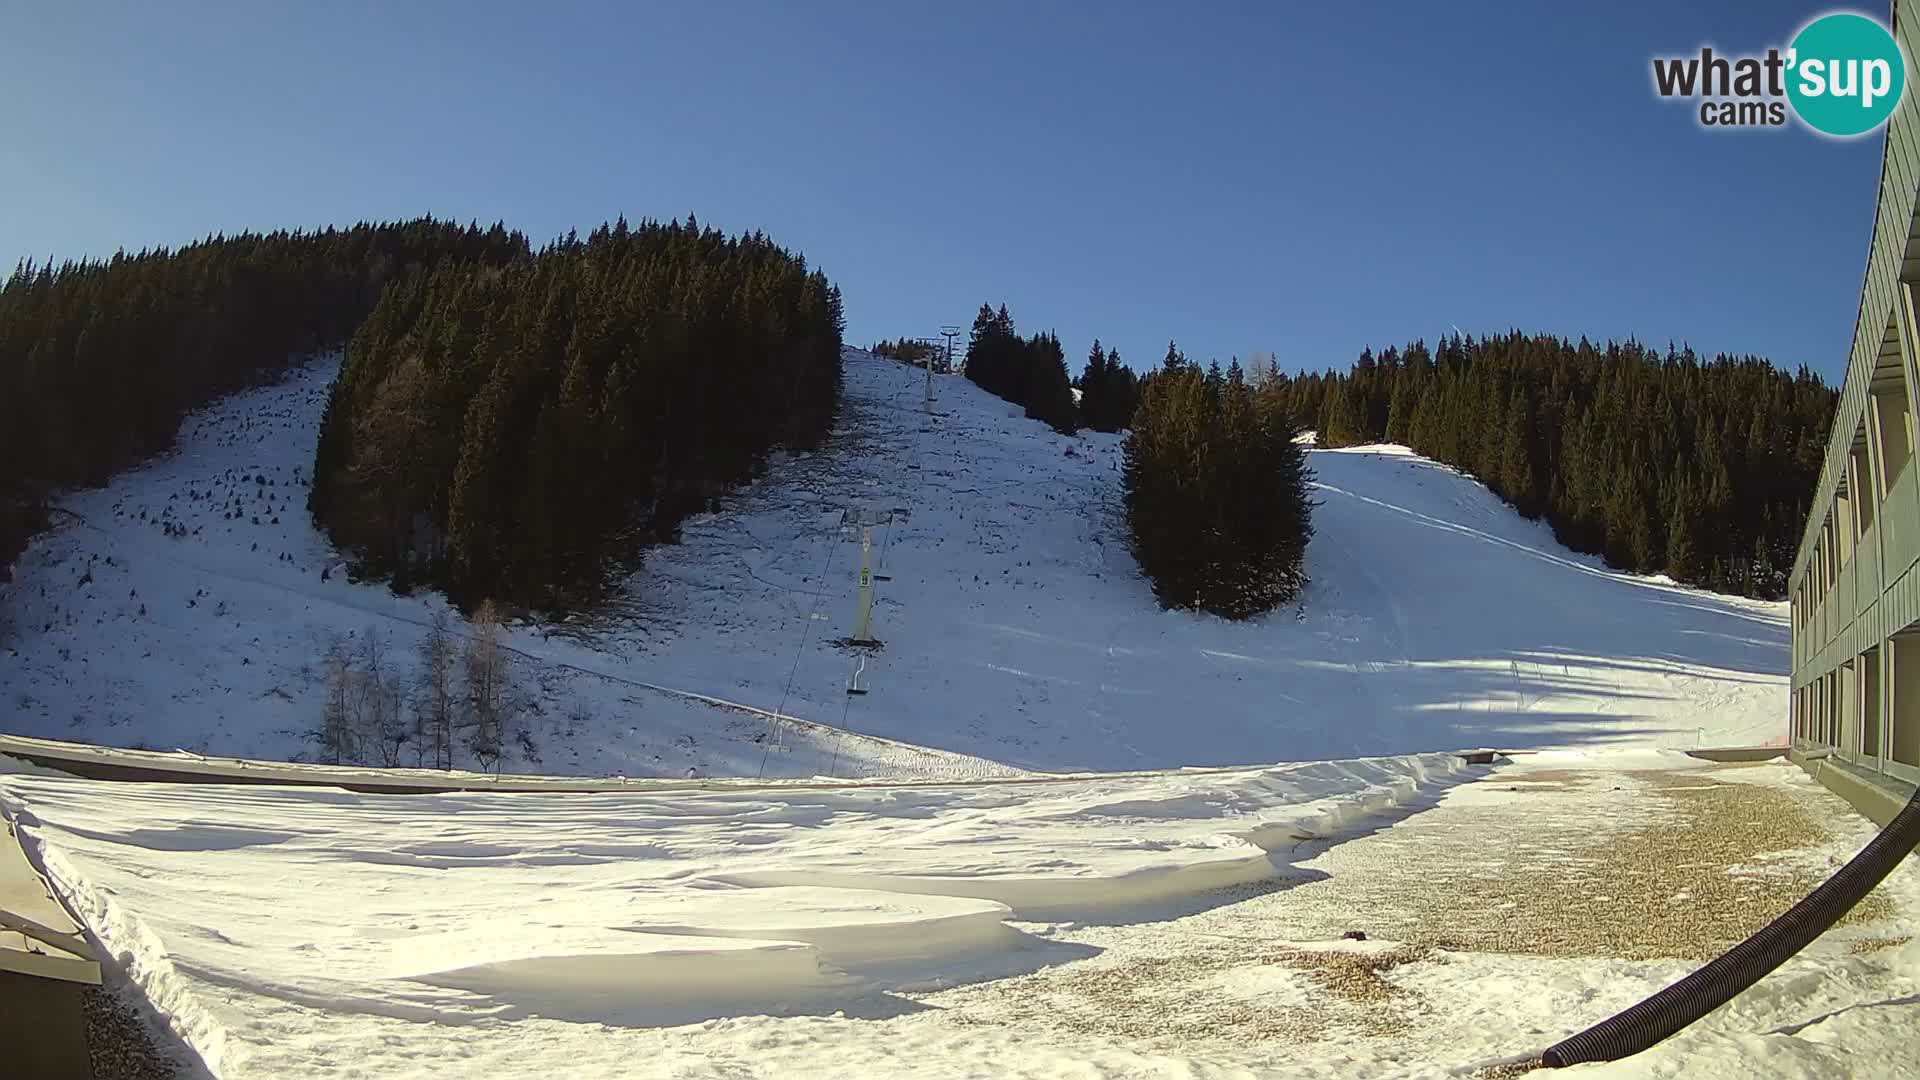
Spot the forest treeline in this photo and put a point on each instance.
(1216, 490)
(100, 359)
(1657, 461)
(520, 432)
(909, 351)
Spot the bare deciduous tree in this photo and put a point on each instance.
(379, 700)
(435, 706)
(336, 714)
(1262, 369)
(489, 693)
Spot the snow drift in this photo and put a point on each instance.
(270, 922)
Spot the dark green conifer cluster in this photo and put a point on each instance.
(1216, 491)
(1109, 391)
(522, 432)
(1657, 462)
(1029, 371)
(100, 359)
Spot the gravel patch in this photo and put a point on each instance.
(1353, 976)
(1665, 865)
(1513, 1068)
(1867, 945)
(118, 1042)
(1171, 1002)
(1649, 865)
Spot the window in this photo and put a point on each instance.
(1893, 421)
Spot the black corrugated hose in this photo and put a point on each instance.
(1746, 963)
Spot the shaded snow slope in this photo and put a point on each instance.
(1017, 629)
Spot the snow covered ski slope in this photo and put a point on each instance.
(189, 603)
(1018, 629)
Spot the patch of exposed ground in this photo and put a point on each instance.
(1168, 1002)
(118, 1041)
(1557, 863)
(1656, 864)
(1352, 976)
(1508, 1070)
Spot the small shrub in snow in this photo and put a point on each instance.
(579, 717)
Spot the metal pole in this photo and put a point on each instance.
(863, 612)
(949, 332)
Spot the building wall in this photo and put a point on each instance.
(1855, 584)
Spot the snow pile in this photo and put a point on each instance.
(271, 923)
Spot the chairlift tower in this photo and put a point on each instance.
(866, 519)
(950, 332)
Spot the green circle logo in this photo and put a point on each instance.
(1845, 74)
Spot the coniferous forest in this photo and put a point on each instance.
(1659, 462)
(1109, 391)
(1027, 371)
(520, 432)
(515, 424)
(100, 359)
(1216, 490)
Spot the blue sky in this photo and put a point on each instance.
(1304, 179)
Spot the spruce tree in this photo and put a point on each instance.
(1093, 384)
(1216, 491)
(1049, 395)
(1123, 392)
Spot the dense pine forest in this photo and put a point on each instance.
(1659, 462)
(1216, 490)
(100, 359)
(1027, 371)
(521, 432)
